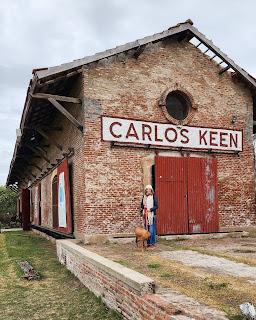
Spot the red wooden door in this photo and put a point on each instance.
(36, 200)
(187, 195)
(171, 189)
(25, 209)
(202, 195)
(64, 205)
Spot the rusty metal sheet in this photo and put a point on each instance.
(202, 195)
(171, 188)
(187, 195)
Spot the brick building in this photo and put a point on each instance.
(170, 109)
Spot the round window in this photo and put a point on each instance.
(177, 105)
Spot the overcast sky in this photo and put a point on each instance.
(45, 33)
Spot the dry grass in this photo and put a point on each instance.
(222, 292)
(174, 245)
(58, 295)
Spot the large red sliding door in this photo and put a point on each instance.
(187, 195)
(202, 195)
(172, 192)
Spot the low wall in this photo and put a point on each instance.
(130, 293)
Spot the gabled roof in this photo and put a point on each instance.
(46, 78)
(184, 27)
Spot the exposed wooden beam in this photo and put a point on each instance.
(37, 151)
(34, 166)
(45, 135)
(37, 146)
(26, 172)
(55, 80)
(49, 128)
(20, 174)
(215, 55)
(69, 116)
(29, 163)
(224, 69)
(138, 51)
(56, 97)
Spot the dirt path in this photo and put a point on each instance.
(211, 263)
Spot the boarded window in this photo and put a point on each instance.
(177, 105)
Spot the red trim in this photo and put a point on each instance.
(63, 167)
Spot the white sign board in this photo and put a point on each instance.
(168, 135)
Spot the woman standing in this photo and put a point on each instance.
(149, 205)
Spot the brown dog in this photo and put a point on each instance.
(141, 236)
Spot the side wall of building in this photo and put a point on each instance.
(130, 88)
(69, 137)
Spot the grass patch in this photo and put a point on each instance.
(154, 265)
(124, 263)
(58, 295)
(166, 275)
(244, 251)
(217, 286)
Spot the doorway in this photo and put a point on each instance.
(55, 218)
(187, 195)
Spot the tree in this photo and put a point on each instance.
(8, 209)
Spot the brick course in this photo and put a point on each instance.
(126, 291)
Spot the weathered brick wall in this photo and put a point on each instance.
(69, 137)
(126, 87)
(108, 182)
(127, 291)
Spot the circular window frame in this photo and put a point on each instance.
(192, 107)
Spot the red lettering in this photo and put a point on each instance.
(186, 139)
(146, 132)
(213, 138)
(222, 139)
(233, 140)
(132, 132)
(202, 137)
(175, 135)
(156, 136)
(111, 129)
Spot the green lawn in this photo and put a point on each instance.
(58, 295)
